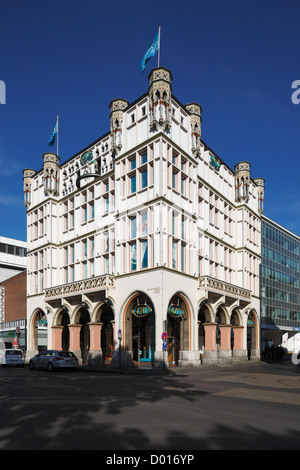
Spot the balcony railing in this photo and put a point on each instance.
(85, 285)
(206, 282)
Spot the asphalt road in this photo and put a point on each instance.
(254, 407)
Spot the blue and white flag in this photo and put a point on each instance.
(151, 51)
(54, 132)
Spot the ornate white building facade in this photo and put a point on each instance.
(146, 231)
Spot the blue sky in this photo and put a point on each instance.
(238, 59)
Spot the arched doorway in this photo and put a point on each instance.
(235, 321)
(39, 338)
(140, 328)
(84, 319)
(65, 321)
(204, 316)
(218, 322)
(105, 316)
(252, 335)
(178, 328)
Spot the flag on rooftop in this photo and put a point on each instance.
(151, 51)
(54, 132)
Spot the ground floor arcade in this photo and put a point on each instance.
(183, 324)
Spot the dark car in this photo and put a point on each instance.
(52, 359)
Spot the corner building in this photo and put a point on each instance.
(145, 231)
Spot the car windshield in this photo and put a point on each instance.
(66, 354)
(14, 352)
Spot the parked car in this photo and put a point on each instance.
(51, 360)
(11, 357)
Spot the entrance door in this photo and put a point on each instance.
(143, 338)
(107, 340)
(173, 330)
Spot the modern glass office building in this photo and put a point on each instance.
(280, 285)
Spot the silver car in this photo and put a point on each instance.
(52, 359)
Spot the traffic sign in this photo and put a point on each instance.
(164, 335)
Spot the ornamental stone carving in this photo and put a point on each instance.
(242, 181)
(160, 93)
(117, 108)
(260, 182)
(28, 174)
(195, 111)
(51, 174)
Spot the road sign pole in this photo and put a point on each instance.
(164, 337)
(120, 341)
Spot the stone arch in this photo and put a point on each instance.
(139, 327)
(104, 314)
(252, 333)
(77, 312)
(62, 319)
(236, 317)
(222, 313)
(206, 311)
(179, 322)
(81, 318)
(221, 319)
(38, 320)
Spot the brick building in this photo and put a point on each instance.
(13, 263)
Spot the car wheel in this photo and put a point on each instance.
(31, 365)
(50, 366)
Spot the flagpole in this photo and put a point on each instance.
(57, 138)
(158, 45)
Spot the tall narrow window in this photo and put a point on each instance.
(133, 227)
(72, 273)
(132, 184)
(174, 178)
(106, 264)
(133, 257)
(133, 164)
(144, 179)
(182, 257)
(106, 242)
(84, 270)
(174, 255)
(92, 247)
(85, 214)
(144, 228)
(144, 253)
(85, 249)
(144, 158)
(173, 224)
(72, 253)
(106, 204)
(92, 267)
(182, 185)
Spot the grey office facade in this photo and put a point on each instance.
(280, 285)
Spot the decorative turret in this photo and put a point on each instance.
(195, 111)
(51, 174)
(28, 174)
(260, 182)
(117, 107)
(160, 93)
(242, 181)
